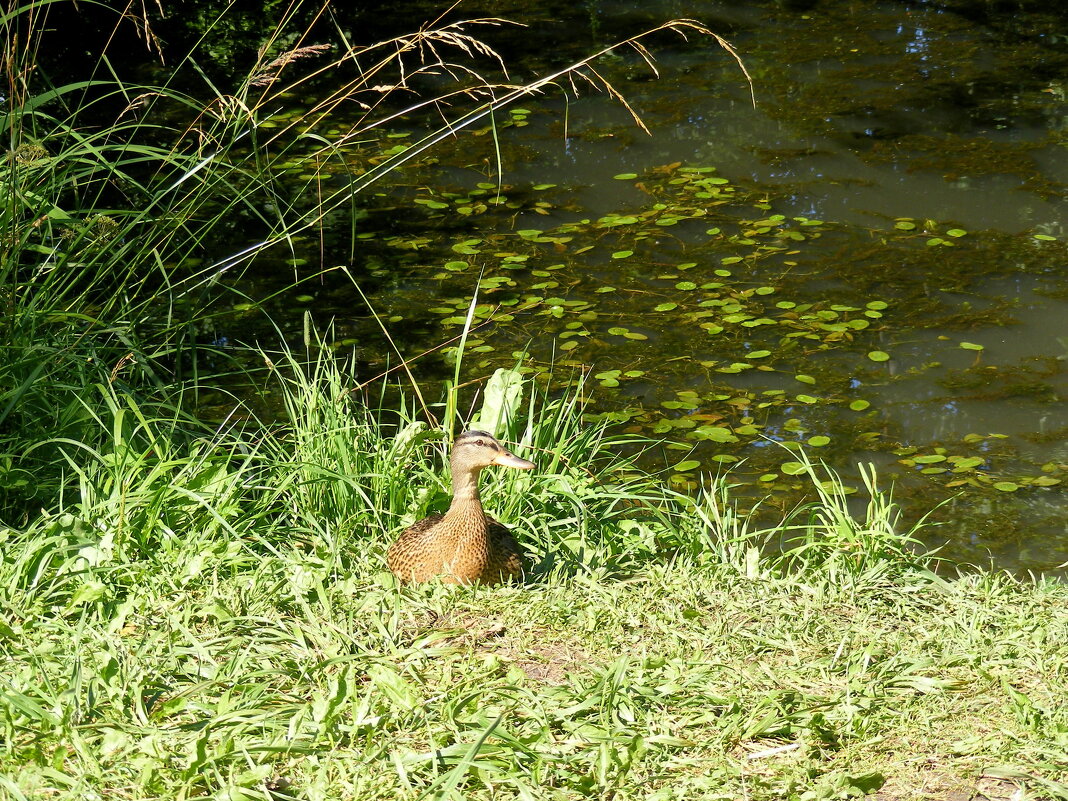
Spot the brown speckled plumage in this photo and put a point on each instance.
(463, 545)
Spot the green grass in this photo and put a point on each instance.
(209, 615)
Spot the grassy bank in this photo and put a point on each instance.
(210, 616)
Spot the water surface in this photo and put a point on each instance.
(851, 265)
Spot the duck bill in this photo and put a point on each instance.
(506, 459)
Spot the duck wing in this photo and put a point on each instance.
(410, 557)
(506, 558)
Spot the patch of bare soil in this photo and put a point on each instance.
(943, 787)
(548, 662)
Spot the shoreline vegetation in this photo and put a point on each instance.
(194, 610)
(211, 616)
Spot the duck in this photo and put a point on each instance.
(464, 545)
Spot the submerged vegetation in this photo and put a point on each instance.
(192, 529)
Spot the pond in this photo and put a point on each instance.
(868, 263)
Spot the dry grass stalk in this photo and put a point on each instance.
(268, 74)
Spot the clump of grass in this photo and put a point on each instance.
(828, 533)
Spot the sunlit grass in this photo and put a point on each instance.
(210, 615)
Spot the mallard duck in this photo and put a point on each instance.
(463, 545)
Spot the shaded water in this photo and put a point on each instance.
(738, 278)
